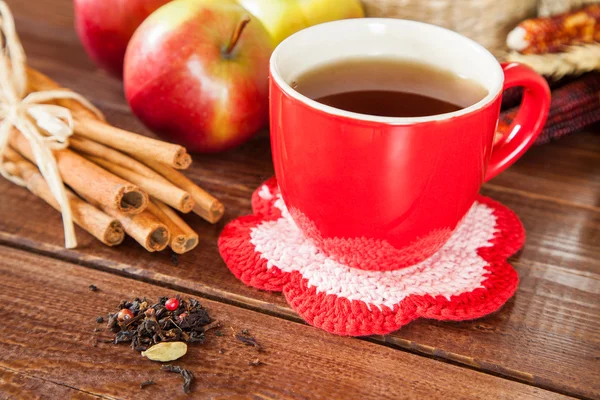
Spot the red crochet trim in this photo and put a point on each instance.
(339, 315)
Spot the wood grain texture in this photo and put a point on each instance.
(555, 314)
(553, 321)
(567, 171)
(17, 386)
(51, 302)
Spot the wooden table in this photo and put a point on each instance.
(543, 344)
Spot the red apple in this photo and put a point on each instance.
(105, 27)
(196, 73)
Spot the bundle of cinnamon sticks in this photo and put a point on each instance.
(120, 182)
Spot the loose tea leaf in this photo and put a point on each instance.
(212, 325)
(166, 351)
(248, 341)
(147, 383)
(144, 325)
(188, 377)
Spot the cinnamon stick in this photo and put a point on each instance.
(144, 227)
(183, 238)
(88, 125)
(89, 147)
(131, 143)
(206, 206)
(13, 156)
(89, 180)
(188, 238)
(38, 81)
(161, 189)
(104, 228)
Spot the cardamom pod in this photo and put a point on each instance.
(166, 351)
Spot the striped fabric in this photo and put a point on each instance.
(575, 106)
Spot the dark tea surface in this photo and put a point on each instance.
(389, 87)
(387, 103)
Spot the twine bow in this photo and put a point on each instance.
(46, 127)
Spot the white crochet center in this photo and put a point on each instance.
(454, 269)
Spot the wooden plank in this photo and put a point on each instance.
(51, 302)
(561, 170)
(59, 13)
(14, 385)
(559, 237)
(558, 266)
(555, 314)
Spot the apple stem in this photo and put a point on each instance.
(236, 35)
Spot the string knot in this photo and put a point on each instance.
(47, 127)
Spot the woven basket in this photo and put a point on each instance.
(551, 7)
(485, 21)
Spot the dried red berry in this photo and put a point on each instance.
(124, 315)
(172, 304)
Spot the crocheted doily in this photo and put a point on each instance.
(467, 278)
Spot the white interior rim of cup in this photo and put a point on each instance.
(431, 41)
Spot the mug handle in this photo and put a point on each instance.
(529, 121)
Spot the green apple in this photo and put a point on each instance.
(281, 18)
(319, 11)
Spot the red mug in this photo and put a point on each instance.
(383, 193)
